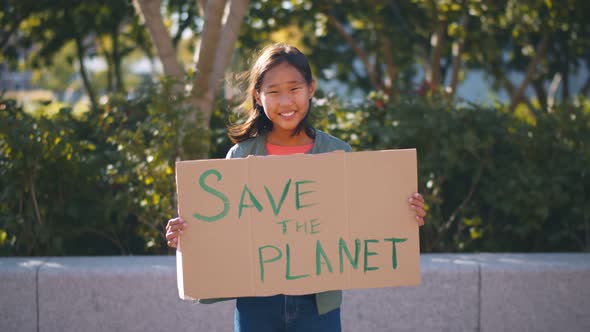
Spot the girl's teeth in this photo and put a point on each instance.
(288, 114)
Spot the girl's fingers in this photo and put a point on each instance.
(420, 214)
(175, 224)
(417, 203)
(172, 235)
(176, 227)
(175, 221)
(416, 199)
(419, 211)
(420, 220)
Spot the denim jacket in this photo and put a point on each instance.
(326, 301)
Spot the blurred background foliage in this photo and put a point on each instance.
(87, 164)
(103, 182)
(492, 181)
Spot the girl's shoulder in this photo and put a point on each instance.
(326, 143)
(244, 148)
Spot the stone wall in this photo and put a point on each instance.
(476, 292)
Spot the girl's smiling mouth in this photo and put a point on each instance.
(287, 115)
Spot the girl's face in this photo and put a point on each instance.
(285, 96)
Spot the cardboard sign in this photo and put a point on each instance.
(297, 224)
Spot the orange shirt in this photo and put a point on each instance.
(285, 150)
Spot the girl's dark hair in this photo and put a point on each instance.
(257, 122)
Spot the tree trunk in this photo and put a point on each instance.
(553, 91)
(211, 58)
(201, 5)
(456, 64)
(206, 53)
(9, 33)
(117, 58)
(357, 50)
(149, 12)
(390, 68)
(511, 89)
(451, 89)
(211, 71)
(436, 42)
(586, 87)
(108, 57)
(89, 90)
(229, 36)
(565, 87)
(205, 57)
(530, 73)
(540, 92)
(110, 85)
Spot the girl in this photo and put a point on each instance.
(279, 102)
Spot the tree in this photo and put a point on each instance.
(541, 40)
(221, 26)
(95, 28)
(380, 44)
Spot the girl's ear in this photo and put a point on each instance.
(311, 89)
(257, 98)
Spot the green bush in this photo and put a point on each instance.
(103, 182)
(493, 181)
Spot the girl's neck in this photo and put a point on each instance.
(286, 138)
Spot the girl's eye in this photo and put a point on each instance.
(272, 92)
(297, 88)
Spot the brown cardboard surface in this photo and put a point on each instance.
(266, 225)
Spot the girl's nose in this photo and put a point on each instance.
(285, 99)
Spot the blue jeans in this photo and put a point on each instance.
(283, 313)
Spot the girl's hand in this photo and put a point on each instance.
(174, 228)
(417, 204)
